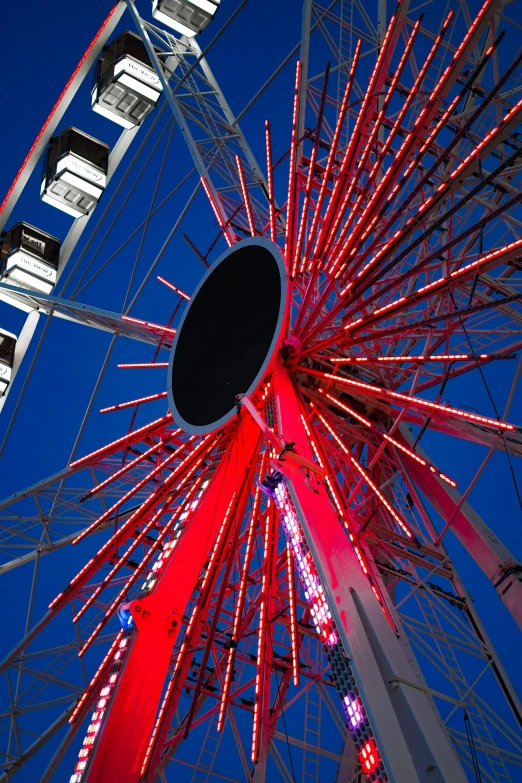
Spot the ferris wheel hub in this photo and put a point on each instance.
(228, 335)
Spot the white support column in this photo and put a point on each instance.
(411, 740)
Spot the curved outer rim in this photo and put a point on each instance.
(278, 334)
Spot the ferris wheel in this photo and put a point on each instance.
(245, 552)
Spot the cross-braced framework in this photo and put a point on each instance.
(284, 597)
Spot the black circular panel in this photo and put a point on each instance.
(227, 335)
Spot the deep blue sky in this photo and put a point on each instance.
(41, 45)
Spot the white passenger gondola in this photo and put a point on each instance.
(75, 173)
(29, 258)
(7, 355)
(188, 17)
(126, 87)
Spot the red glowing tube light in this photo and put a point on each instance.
(246, 196)
(511, 250)
(138, 572)
(217, 213)
(174, 288)
(313, 589)
(127, 467)
(149, 324)
(270, 181)
(322, 247)
(369, 758)
(95, 680)
(361, 164)
(153, 498)
(333, 150)
(100, 712)
(393, 132)
(293, 613)
(344, 407)
(120, 561)
(292, 181)
(124, 441)
(495, 255)
(142, 365)
(440, 357)
(159, 719)
(471, 161)
(312, 442)
(55, 107)
(216, 547)
(387, 437)
(304, 211)
(351, 701)
(405, 148)
(130, 403)
(381, 497)
(263, 610)
(240, 603)
(366, 477)
(377, 391)
(157, 469)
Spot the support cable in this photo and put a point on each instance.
(473, 752)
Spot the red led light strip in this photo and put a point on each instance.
(121, 560)
(124, 441)
(100, 712)
(386, 393)
(333, 151)
(174, 288)
(327, 234)
(361, 163)
(400, 157)
(217, 543)
(246, 196)
(441, 357)
(217, 212)
(130, 403)
(348, 524)
(464, 168)
(292, 600)
(270, 181)
(377, 166)
(366, 477)
(155, 497)
(133, 490)
(139, 571)
(440, 90)
(142, 365)
(292, 182)
(239, 604)
(304, 211)
(387, 437)
(95, 680)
